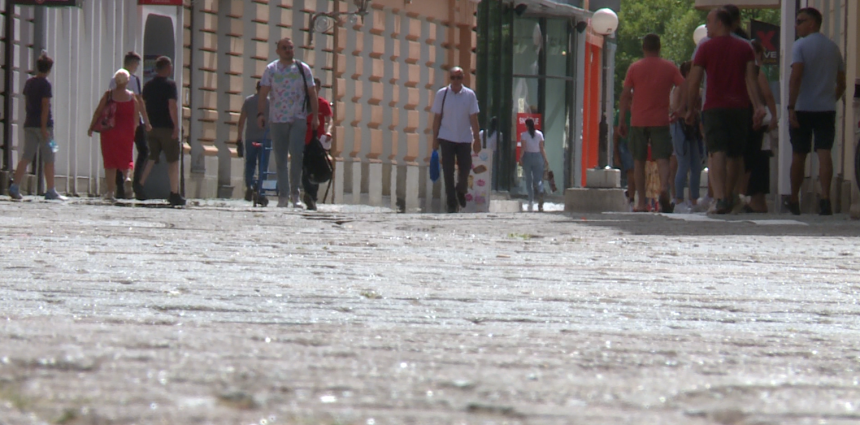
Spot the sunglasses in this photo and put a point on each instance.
(800, 21)
(456, 77)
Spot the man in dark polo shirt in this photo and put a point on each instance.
(731, 88)
(160, 97)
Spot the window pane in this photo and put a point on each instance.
(557, 49)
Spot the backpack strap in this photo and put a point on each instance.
(442, 114)
(307, 104)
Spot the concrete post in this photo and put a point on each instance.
(786, 39)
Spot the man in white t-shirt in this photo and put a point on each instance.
(130, 63)
(455, 129)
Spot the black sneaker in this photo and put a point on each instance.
(723, 206)
(249, 194)
(310, 204)
(461, 198)
(120, 190)
(139, 194)
(793, 207)
(824, 207)
(176, 200)
(666, 206)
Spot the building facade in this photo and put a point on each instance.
(380, 62)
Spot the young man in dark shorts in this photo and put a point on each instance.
(38, 130)
(160, 96)
(647, 88)
(817, 82)
(731, 89)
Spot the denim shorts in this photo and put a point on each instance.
(626, 157)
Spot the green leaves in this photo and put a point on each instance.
(674, 21)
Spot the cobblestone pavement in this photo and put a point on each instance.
(224, 314)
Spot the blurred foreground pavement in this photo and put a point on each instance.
(224, 314)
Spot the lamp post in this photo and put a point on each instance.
(700, 33)
(605, 22)
(324, 21)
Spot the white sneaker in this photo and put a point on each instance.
(683, 208)
(109, 198)
(295, 200)
(706, 204)
(283, 202)
(531, 207)
(53, 195)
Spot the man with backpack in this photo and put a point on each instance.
(288, 84)
(323, 127)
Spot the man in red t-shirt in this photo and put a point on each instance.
(324, 128)
(732, 88)
(649, 84)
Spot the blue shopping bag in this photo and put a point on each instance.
(434, 166)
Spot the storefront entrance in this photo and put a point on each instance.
(527, 69)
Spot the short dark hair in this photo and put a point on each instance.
(317, 82)
(734, 12)
(162, 63)
(651, 43)
(812, 13)
(725, 17)
(258, 85)
(130, 57)
(685, 68)
(44, 63)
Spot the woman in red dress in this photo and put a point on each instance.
(118, 142)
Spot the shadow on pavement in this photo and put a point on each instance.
(730, 225)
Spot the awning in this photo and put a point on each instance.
(550, 8)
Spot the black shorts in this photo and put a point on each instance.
(759, 168)
(820, 124)
(727, 130)
(753, 147)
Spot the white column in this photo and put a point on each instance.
(851, 126)
(786, 40)
(579, 97)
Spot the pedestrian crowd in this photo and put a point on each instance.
(284, 116)
(669, 125)
(669, 118)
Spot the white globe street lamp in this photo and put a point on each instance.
(604, 21)
(700, 33)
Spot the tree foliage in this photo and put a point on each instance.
(674, 21)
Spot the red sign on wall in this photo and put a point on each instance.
(160, 2)
(521, 127)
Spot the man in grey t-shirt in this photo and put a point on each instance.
(254, 144)
(817, 82)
